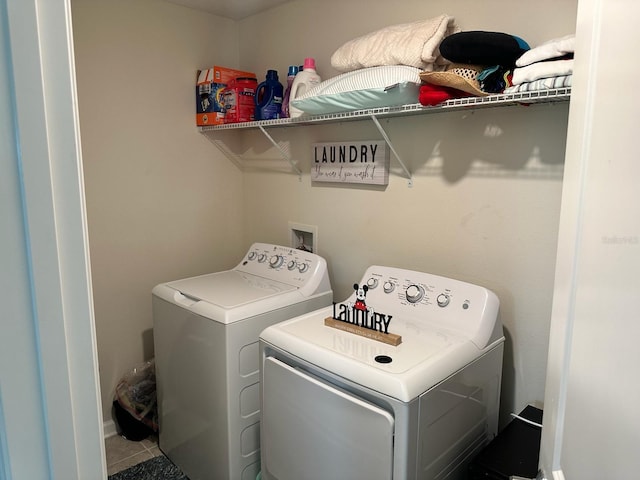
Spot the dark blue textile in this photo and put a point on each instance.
(158, 468)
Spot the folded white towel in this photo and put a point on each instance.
(414, 44)
(555, 48)
(561, 81)
(538, 70)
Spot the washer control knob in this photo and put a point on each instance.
(443, 300)
(252, 256)
(303, 267)
(276, 261)
(291, 265)
(414, 293)
(372, 283)
(262, 257)
(388, 287)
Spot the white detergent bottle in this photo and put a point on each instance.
(303, 82)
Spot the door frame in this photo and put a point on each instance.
(43, 105)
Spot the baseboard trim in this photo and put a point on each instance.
(109, 429)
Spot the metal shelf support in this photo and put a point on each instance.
(237, 161)
(388, 140)
(284, 154)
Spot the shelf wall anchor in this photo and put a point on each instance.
(388, 140)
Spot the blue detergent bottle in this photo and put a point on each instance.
(269, 97)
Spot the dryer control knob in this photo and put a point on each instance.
(252, 255)
(262, 257)
(372, 283)
(291, 265)
(443, 300)
(388, 287)
(414, 293)
(303, 267)
(276, 261)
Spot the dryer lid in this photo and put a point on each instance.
(425, 357)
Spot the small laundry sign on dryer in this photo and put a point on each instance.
(360, 319)
(362, 162)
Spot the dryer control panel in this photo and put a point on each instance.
(454, 305)
(288, 265)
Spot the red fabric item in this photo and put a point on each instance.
(435, 94)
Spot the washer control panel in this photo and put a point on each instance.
(418, 296)
(284, 264)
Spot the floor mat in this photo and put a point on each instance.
(158, 468)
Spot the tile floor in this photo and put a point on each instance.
(122, 453)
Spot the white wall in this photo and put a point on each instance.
(484, 208)
(162, 202)
(316, 28)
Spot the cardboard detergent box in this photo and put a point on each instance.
(209, 86)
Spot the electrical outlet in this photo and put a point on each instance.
(304, 237)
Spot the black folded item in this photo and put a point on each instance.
(483, 48)
(514, 452)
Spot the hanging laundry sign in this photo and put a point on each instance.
(364, 162)
(360, 319)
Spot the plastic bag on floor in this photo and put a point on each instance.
(135, 402)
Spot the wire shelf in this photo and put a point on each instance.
(504, 99)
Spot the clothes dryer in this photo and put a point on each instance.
(207, 357)
(401, 381)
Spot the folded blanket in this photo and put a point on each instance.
(414, 44)
(561, 81)
(552, 49)
(553, 68)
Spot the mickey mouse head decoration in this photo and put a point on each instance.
(361, 294)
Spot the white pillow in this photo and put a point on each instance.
(373, 87)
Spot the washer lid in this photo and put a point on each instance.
(425, 357)
(230, 289)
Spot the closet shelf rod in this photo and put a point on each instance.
(388, 140)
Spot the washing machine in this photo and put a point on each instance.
(205, 332)
(401, 381)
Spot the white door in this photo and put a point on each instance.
(21, 402)
(50, 416)
(313, 430)
(591, 424)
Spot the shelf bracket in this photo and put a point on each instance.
(284, 154)
(388, 140)
(235, 159)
